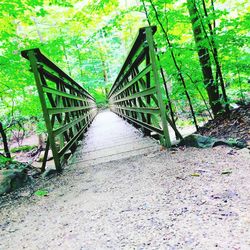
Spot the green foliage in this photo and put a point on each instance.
(90, 40)
(4, 160)
(7, 163)
(23, 148)
(41, 192)
(40, 127)
(230, 37)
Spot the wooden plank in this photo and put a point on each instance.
(60, 93)
(68, 109)
(129, 84)
(143, 124)
(70, 124)
(147, 92)
(56, 79)
(141, 109)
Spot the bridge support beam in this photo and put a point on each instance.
(149, 37)
(136, 94)
(68, 109)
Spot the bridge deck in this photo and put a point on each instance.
(111, 138)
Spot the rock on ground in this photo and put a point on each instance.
(184, 199)
(12, 179)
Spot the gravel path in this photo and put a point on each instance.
(145, 202)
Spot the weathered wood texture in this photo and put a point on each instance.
(111, 138)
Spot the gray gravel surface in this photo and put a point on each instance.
(162, 200)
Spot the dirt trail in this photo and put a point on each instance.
(145, 202)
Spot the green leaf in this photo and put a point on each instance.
(195, 174)
(41, 192)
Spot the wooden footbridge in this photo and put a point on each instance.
(138, 96)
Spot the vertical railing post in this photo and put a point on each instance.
(149, 38)
(33, 64)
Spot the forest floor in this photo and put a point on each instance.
(182, 199)
(237, 126)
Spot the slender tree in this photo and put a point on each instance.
(5, 142)
(214, 50)
(181, 77)
(204, 59)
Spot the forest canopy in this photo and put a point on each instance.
(196, 41)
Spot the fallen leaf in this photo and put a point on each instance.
(200, 171)
(195, 174)
(180, 178)
(41, 192)
(226, 172)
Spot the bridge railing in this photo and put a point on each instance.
(68, 109)
(136, 94)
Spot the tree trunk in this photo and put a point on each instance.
(5, 142)
(215, 55)
(204, 58)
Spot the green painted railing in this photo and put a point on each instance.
(68, 109)
(137, 95)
